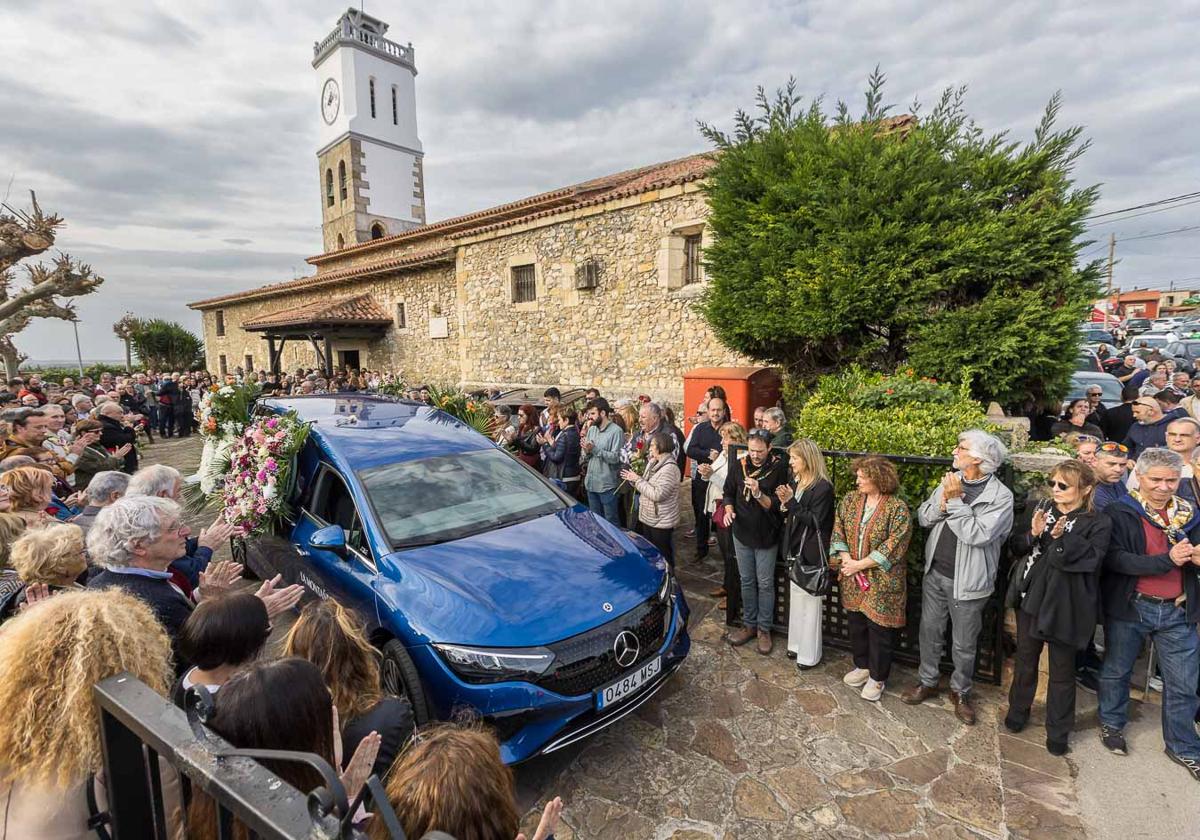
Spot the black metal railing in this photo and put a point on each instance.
(918, 476)
(149, 742)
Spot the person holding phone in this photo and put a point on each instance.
(1054, 590)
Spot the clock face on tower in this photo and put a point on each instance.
(331, 100)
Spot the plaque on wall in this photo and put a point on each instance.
(438, 328)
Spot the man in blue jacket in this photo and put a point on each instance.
(1150, 587)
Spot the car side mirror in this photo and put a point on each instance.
(331, 538)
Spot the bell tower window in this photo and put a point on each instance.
(341, 242)
(329, 187)
(342, 178)
(377, 231)
(371, 87)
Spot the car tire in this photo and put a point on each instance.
(399, 676)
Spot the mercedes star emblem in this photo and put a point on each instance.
(607, 607)
(626, 648)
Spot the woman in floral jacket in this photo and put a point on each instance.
(871, 531)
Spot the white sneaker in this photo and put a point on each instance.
(872, 690)
(1156, 684)
(857, 677)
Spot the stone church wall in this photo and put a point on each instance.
(636, 332)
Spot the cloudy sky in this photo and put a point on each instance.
(178, 138)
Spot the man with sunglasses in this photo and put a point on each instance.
(1112, 469)
(1150, 587)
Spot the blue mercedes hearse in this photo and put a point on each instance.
(484, 586)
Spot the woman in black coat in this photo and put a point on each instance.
(807, 502)
(1054, 589)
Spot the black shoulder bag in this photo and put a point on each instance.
(814, 578)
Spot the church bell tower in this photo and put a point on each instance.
(369, 160)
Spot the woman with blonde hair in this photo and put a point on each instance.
(50, 657)
(1054, 590)
(332, 638)
(871, 532)
(30, 491)
(452, 779)
(714, 474)
(807, 502)
(48, 560)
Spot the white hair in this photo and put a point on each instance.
(77, 399)
(124, 525)
(1159, 457)
(775, 415)
(987, 448)
(104, 484)
(154, 480)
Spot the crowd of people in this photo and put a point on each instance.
(99, 574)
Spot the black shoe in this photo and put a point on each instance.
(1056, 747)
(1189, 764)
(791, 654)
(1086, 679)
(1015, 724)
(1113, 740)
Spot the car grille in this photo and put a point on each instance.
(586, 662)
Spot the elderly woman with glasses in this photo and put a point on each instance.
(1054, 589)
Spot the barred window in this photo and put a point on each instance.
(220, 322)
(222, 365)
(371, 85)
(691, 259)
(524, 284)
(401, 316)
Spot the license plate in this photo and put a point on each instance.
(629, 684)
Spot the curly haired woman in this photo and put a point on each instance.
(871, 532)
(50, 657)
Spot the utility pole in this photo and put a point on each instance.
(1112, 250)
(78, 351)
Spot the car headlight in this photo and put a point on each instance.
(668, 586)
(496, 664)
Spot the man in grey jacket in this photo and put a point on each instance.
(602, 455)
(970, 513)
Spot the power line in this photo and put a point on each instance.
(1147, 204)
(1144, 213)
(1161, 233)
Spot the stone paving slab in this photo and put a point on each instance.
(740, 746)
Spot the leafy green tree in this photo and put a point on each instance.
(885, 241)
(165, 345)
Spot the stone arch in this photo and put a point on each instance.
(378, 231)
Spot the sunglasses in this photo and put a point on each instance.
(759, 433)
(1111, 446)
(1058, 485)
(1087, 439)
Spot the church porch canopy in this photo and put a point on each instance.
(356, 316)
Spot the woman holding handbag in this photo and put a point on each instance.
(807, 504)
(871, 532)
(714, 505)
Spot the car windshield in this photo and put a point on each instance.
(1150, 341)
(432, 500)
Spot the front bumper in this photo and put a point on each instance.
(530, 720)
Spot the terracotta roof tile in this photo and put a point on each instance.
(317, 281)
(358, 309)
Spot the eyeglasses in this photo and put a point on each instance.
(1112, 446)
(1058, 485)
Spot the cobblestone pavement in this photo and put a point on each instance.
(740, 746)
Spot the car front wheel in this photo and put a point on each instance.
(400, 678)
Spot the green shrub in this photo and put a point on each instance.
(56, 374)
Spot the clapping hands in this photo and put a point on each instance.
(549, 821)
(219, 577)
(279, 600)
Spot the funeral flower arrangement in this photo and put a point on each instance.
(261, 472)
(224, 413)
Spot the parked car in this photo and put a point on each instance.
(1136, 326)
(1152, 341)
(1097, 336)
(1087, 360)
(1185, 352)
(1164, 324)
(483, 586)
(1082, 380)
